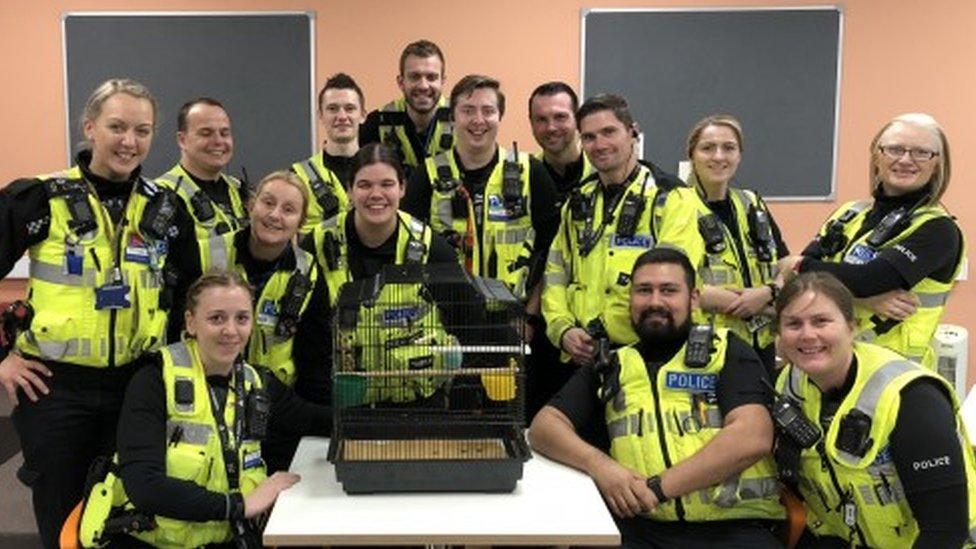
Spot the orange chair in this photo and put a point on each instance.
(70, 528)
(796, 517)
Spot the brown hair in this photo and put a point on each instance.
(290, 178)
(940, 179)
(423, 49)
(215, 278)
(821, 283)
(724, 120)
(467, 85)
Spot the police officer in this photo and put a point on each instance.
(684, 410)
(356, 243)
(742, 241)
(216, 201)
(552, 115)
(97, 235)
(496, 207)
(886, 462)
(291, 309)
(341, 104)
(621, 211)
(418, 124)
(901, 251)
(213, 204)
(189, 470)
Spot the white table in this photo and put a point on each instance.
(552, 505)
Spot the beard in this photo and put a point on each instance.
(656, 325)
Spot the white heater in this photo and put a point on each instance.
(952, 348)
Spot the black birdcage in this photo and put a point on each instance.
(428, 383)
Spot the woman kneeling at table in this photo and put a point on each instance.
(189, 451)
(893, 467)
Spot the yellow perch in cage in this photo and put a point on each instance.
(500, 385)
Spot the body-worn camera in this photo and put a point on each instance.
(630, 213)
(854, 434)
(710, 228)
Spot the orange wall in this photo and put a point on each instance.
(898, 55)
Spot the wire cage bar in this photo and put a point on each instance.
(428, 382)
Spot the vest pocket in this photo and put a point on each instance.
(188, 462)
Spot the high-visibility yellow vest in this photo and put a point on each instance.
(911, 337)
(393, 124)
(655, 424)
(193, 454)
(877, 497)
(326, 194)
(507, 238)
(579, 288)
(86, 266)
(277, 311)
(211, 223)
(723, 263)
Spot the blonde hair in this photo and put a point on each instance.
(108, 88)
(290, 178)
(941, 176)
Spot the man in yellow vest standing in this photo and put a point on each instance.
(684, 414)
(215, 202)
(327, 174)
(625, 208)
(418, 124)
(496, 206)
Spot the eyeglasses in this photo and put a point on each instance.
(895, 152)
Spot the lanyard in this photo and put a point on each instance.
(229, 447)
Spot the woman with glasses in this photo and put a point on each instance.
(873, 471)
(899, 253)
(742, 242)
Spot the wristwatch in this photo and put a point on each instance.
(774, 290)
(654, 483)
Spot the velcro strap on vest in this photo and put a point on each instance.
(393, 118)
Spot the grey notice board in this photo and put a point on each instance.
(776, 70)
(259, 65)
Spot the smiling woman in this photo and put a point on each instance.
(742, 240)
(900, 251)
(96, 240)
(866, 401)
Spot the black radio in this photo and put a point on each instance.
(698, 350)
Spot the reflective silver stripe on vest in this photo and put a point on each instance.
(713, 420)
(170, 177)
(735, 489)
(627, 425)
(310, 171)
(193, 433)
(180, 355)
(932, 299)
(68, 347)
(556, 279)
(513, 236)
(55, 274)
(150, 279)
(796, 382)
(302, 264)
(867, 400)
(715, 277)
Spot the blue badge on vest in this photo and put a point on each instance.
(136, 250)
(400, 316)
(694, 383)
(636, 241)
(860, 254)
(496, 208)
(252, 460)
(268, 313)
